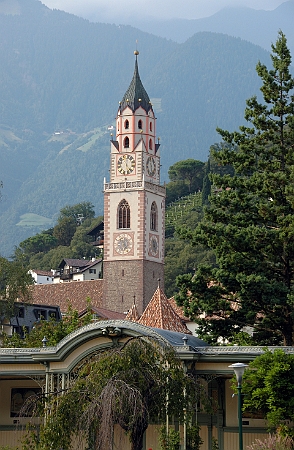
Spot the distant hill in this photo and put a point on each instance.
(61, 78)
(257, 26)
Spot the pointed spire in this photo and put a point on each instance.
(160, 314)
(133, 314)
(136, 94)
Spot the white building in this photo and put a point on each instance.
(42, 276)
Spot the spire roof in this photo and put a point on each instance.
(160, 314)
(136, 94)
(133, 314)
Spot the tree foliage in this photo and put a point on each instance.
(84, 210)
(212, 166)
(189, 171)
(250, 221)
(40, 243)
(51, 329)
(268, 388)
(64, 230)
(180, 258)
(15, 283)
(185, 177)
(68, 239)
(128, 386)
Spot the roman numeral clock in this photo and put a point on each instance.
(126, 164)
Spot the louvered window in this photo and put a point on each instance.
(153, 217)
(124, 214)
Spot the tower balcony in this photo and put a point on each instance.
(130, 185)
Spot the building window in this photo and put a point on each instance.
(19, 397)
(124, 215)
(92, 271)
(153, 217)
(127, 124)
(140, 124)
(21, 312)
(150, 126)
(150, 144)
(126, 142)
(40, 314)
(117, 125)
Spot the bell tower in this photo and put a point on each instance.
(134, 205)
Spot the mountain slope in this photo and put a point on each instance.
(204, 84)
(61, 78)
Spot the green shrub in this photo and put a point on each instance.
(194, 440)
(214, 444)
(170, 441)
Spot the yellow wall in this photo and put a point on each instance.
(231, 440)
(11, 439)
(59, 366)
(26, 368)
(5, 398)
(231, 419)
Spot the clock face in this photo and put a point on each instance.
(126, 164)
(123, 243)
(153, 245)
(151, 166)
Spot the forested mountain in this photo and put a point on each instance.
(61, 78)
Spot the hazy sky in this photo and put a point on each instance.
(116, 10)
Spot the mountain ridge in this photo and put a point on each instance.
(61, 79)
(257, 26)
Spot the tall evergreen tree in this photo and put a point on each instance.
(250, 221)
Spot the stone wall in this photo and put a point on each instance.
(124, 280)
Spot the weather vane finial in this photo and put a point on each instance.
(136, 52)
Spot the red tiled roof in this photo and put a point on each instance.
(178, 309)
(74, 293)
(104, 313)
(133, 314)
(160, 314)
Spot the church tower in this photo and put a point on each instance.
(134, 205)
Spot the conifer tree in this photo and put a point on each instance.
(250, 221)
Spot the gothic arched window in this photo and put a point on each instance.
(150, 126)
(140, 125)
(150, 144)
(126, 142)
(153, 217)
(127, 124)
(124, 214)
